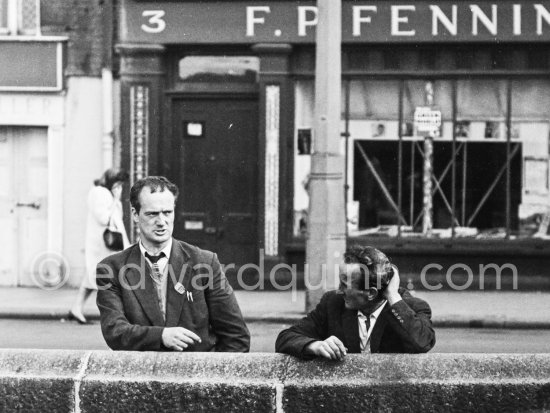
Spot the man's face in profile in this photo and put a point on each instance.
(352, 288)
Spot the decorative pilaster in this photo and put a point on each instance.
(275, 127)
(141, 73)
(139, 131)
(272, 134)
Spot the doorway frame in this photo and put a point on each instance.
(48, 111)
(168, 169)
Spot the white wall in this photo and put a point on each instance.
(82, 164)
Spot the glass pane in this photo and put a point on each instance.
(481, 99)
(29, 16)
(305, 100)
(3, 15)
(531, 99)
(374, 99)
(480, 155)
(304, 97)
(372, 162)
(415, 94)
(219, 69)
(531, 127)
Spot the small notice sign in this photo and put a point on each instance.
(194, 225)
(427, 121)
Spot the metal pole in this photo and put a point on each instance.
(400, 158)
(347, 155)
(411, 197)
(427, 222)
(508, 157)
(107, 140)
(327, 227)
(453, 171)
(464, 177)
(427, 219)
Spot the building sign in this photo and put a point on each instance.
(362, 21)
(33, 65)
(427, 121)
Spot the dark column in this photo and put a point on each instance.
(275, 157)
(141, 78)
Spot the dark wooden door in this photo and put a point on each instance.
(217, 164)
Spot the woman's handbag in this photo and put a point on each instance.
(112, 238)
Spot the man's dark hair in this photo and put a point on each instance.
(155, 184)
(376, 268)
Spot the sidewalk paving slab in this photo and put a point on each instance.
(489, 309)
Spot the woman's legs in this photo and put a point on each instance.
(78, 306)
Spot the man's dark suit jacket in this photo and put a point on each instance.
(130, 314)
(405, 327)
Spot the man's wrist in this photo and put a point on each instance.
(393, 298)
(308, 348)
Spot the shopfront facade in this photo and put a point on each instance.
(445, 125)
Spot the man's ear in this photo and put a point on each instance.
(372, 293)
(134, 215)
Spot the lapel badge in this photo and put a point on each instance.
(179, 288)
(189, 296)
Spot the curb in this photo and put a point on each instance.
(291, 318)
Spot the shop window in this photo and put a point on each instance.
(373, 99)
(219, 69)
(487, 181)
(20, 17)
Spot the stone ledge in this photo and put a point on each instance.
(51, 380)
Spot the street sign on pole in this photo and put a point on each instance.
(427, 121)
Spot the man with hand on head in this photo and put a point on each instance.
(162, 293)
(369, 313)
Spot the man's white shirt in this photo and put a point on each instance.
(364, 335)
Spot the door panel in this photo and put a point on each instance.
(218, 176)
(32, 152)
(8, 261)
(23, 201)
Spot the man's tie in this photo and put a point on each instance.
(154, 265)
(367, 323)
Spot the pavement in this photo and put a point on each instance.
(476, 309)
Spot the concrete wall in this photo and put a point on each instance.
(102, 381)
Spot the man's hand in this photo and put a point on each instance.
(179, 338)
(391, 292)
(117, 191)
(332, 348)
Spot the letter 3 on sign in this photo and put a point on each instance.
(155, 24)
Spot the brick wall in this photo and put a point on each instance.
(88, 24)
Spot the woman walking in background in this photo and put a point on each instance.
(104, 211)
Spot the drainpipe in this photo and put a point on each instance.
(107, 140)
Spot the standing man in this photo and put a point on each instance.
(369, 313)
(162, 293)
